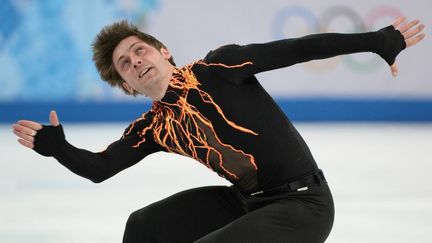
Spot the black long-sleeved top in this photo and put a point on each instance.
(216, 112)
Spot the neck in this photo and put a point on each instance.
(164, 86)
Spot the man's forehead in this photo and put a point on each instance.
(125, 44)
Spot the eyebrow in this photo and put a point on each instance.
(130, 47)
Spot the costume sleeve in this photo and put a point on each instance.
(240, 62)
(132, 147)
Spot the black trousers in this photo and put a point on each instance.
(222, 214)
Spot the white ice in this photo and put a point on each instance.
(380, 176)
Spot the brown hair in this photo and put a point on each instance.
(105, 43)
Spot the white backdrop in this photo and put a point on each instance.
(45, 52)
(190, 28)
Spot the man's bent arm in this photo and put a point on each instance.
(97, 167)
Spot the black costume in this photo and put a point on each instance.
(216, 112)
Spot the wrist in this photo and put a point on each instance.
(49, 140)
(392, 43)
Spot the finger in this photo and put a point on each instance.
(414, 40)
(24, 136)
(24, 130)
(394, 69)
(398, 22)
(30, 124)
(408, 26)
(413, 32)
(54, 118)
(26, 143)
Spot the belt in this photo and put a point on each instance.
(302, 184)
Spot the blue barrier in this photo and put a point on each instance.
(310, 110)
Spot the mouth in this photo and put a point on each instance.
(144, 71)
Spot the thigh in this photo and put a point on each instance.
(184, 217)
(292, 220)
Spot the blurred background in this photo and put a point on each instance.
(371, 133)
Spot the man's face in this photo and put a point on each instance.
(143, 67)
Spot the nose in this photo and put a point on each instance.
(137, 63)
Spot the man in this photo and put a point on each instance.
(215, 111)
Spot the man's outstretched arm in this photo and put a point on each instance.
(387, 42)
(50, 141)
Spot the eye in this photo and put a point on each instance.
(125, 64)
(140, 50)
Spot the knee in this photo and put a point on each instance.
(133, 222)
(139, 227)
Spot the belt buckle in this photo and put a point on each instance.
(256, 193)
(305, 188)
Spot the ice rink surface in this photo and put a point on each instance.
(380, 176)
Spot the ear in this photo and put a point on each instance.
(128, 88)
(165, 53)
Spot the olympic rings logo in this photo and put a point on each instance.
(318, 24)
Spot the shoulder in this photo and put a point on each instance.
(221, 54)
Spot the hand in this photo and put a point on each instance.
(412, 33)
(27, 130)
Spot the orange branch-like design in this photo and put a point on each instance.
(171, 129)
